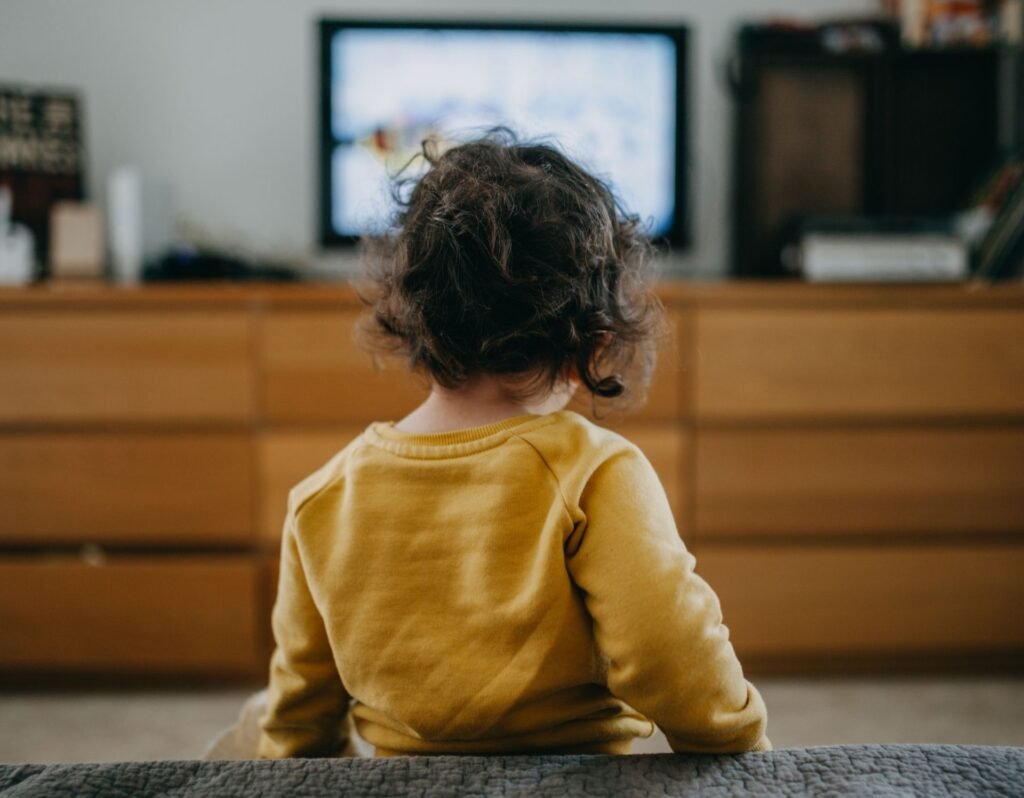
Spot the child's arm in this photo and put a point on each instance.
(307, 706)
(659, 624)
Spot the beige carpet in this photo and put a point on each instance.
(136, 725)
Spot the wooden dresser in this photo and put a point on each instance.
(847, 462)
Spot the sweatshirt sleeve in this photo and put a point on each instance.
(655, 620)
(307, 706)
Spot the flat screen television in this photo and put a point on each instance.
(613, 97)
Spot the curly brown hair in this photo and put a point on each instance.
(509, 259)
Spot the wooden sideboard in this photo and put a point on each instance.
(847, 463)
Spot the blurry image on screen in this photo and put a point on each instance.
(608, 99)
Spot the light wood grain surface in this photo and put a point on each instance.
(72, 365)
(312, 371)
(172, 615)
(339, 294)
(898, 598)
(784, 364)
(876, 480)
(127, 488)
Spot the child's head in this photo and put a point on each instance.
(509, 260)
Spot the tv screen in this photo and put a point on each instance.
(613, 98)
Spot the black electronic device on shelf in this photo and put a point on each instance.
(189, 264)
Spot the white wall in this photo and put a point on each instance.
(218, 96)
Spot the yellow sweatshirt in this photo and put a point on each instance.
(514, 587)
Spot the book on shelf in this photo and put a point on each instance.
(857, 248)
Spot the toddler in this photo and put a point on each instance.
(495, 573)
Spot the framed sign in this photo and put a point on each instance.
(41, 155)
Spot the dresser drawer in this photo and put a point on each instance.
(127, 488)
(942, 480)
(790, 363)
(868, 599)
(128, 365)
(132, 615)
(312, 370)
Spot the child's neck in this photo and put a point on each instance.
(484, 400)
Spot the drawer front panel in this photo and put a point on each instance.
(131, 614)
(128, 365)
(312, 370)
(903, 599)
(136, 489)
(814, 481)
(791, 363)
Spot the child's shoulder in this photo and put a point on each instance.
(577, 430)
(572, 446)
(575, 444)
(331, 473)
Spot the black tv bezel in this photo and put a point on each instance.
(678, 235)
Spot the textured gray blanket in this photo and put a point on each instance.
(874, 770)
